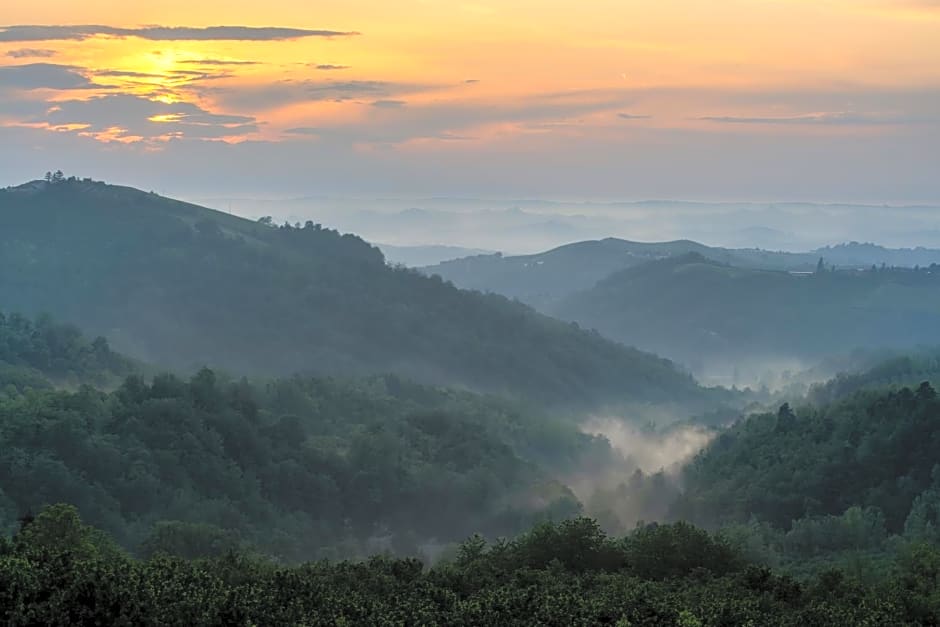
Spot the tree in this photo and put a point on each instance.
(58, 529)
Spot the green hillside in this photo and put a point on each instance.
(297, 468)
(691, 308)
(183, 286)
(875, 449)
(543, 279)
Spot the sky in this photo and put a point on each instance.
(810, 100)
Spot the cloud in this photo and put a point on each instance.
(389, 104)
(304, 130)
(136, 116)
(260, 97)
(921, 4)
(837, 118)
(457, 120)
(329, 66)
(174, 78)
(25, 53)
(42, 76)
(126, 74)
(27, 32)
(218, 62)
(633, 116)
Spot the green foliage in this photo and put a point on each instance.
(873, 450)
(300, 468)
(189, 540)
(35, 352)
(58, 530)
(496, 584)
(667, 551)
(176, 285)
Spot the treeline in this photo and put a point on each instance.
(56, 571)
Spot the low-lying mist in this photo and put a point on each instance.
(641, 478)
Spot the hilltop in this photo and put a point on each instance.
(181, 286)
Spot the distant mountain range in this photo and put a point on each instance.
(521, 226)
(543, 280)
(179, 285)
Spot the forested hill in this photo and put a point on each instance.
(544, 279)
(692, 308)
(876, 450)
(41, 353)
(183, 286)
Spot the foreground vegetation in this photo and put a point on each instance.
(57, 571)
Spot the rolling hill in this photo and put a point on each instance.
(695, 309)
(182, 286)
(544, 279)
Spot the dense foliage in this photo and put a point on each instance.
(298, 468)
(892, 371)
(874, 450)
(183, 286)
(36, 353)
(694, 309)
(57, 571)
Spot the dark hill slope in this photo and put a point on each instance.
(180, 285)
(692, 308)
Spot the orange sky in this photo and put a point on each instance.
(421, 74)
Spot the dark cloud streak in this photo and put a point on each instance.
(42, 76)
(389, 104)
(218, 62)
(28, 32)
(838, 118)
(35, 53)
